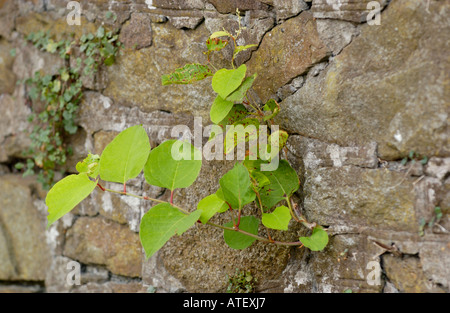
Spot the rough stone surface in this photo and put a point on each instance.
(356, 99)
(117, 247)
(243, 5)
(24, 251)
(7, 77)
(349, 10)
(136, 78)
(376, 87)
(137, 32)
(406, 274)
(277, 67)
(256, 26)
(286, 9)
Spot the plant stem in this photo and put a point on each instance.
(281, 243)
(288, 200)
(266, 240)
(262, 212)
(300, 219)
(143, 198)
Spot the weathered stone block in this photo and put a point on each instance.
(25, 254)
(99, 241)
(366, 197)
(286, 52)
(349, 10)
(137, 32)
(374, 90)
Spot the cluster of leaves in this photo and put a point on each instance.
(60, 95)
(414, 157)
(435, 219)
(55, 99)
(176, 164)
(241, 282)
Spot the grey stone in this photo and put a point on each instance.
(438, 167)
(137, 32)
(103, 242)
(336, 34)
(353, 100)
(276, 67)
(185, 22)
(25, 253)
(348, 10)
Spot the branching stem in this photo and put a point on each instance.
(235, 228)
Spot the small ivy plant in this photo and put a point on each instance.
(54, 99)
(175, 164)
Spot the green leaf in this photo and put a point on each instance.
(162, 222)
(209, 206)
(51, 46)
(317, 241)
(66, 194)
(220, 34)
(173, 164)
(283, 183)
(239, 94)
(56, 86)
(187, 74)
(216, 44)
(220, 109)
(237, 187)
(278, 219)
(273, 107)
(237, 240)
(237, 113)
(242, 132)
(243, 48)
(259, 180)
(125, 156)
(109, 60)
(90, 165)
(100, 32)
(224, 81)
(270, 150)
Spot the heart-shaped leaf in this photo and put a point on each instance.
(173, 164)
(237, 187)
(162, 222)
(125, 156)
(225, 81)
(220, 109)
(209, 206)
(239, 94)
(66, 194)
(317, 241)
(278, 219)
(283, 183)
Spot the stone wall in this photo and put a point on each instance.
(355, 98)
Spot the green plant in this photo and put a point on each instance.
(241, 282)
(414, 156)
(175, 164)
(55, 99)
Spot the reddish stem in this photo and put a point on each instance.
(124, 188)
(99, 186)
(171, 197)
(238, 221)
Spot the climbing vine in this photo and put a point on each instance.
(54, 99)
(261, 177)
